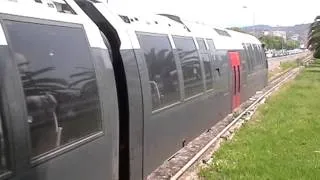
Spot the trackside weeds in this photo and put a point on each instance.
(282, 141)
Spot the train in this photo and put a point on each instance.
(89, 93)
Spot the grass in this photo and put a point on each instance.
(282, 141)
(283, 67)
(288, 64)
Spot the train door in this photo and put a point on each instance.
(235, 69)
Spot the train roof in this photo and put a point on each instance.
(173, 25)
(51, 10)
(244, 38)
(126, 24)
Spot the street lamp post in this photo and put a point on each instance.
(253, 18)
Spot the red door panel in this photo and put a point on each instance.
(235, 68)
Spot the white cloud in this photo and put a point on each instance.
(228, 12)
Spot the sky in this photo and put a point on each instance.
(227, 13)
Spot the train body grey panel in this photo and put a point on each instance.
(165, 131)
(12, 114)
(135, 113)
(74, 157)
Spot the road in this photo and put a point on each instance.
(276, 61)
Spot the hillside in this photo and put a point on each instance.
(300, 29)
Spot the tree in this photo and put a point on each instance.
(273, 42)
(314, 37)
(292, 44)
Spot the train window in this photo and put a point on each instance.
(247, 57)
(207, 70)
(244, 66)
(201, 43)
(190, 64)
(251, 56)
(59, 83)
(211, 44)
(259, 54)
(262, 54)
(163, 77)
(256, 53)
(206, 63)
(222, 32)
(63, 7)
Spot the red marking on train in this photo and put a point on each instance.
(235, 69)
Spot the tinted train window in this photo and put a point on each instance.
(256, 52)
(247, 56)
(201, 44)
(163, 77)
(262, 54)
(251, 55)
(59, 83)
(206, 63)
(207, 70)
(190, 64)
(211, 44)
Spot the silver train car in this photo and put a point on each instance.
(87, 93)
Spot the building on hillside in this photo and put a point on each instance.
(266, 33)
(295, 37)
(282, 34)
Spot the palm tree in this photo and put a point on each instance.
(314, 37)
(87, 80)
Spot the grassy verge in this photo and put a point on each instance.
(283, 139)
(283, 67)
(287, 65)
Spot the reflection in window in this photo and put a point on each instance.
(211, 44)
(63, 7)
(207, 70)
(190, 64)
(59, 83)
(163, 77)
(206, 63)
(251, 55)
(256, 55)
(247, 57)
(201, 43)
(263, 55)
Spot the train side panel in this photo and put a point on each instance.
(59, 102)
(169, 129)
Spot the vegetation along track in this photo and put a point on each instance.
(183, 163)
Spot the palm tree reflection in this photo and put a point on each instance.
(54, 104)
(87, 80)
(162, 75)
(190, 64)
